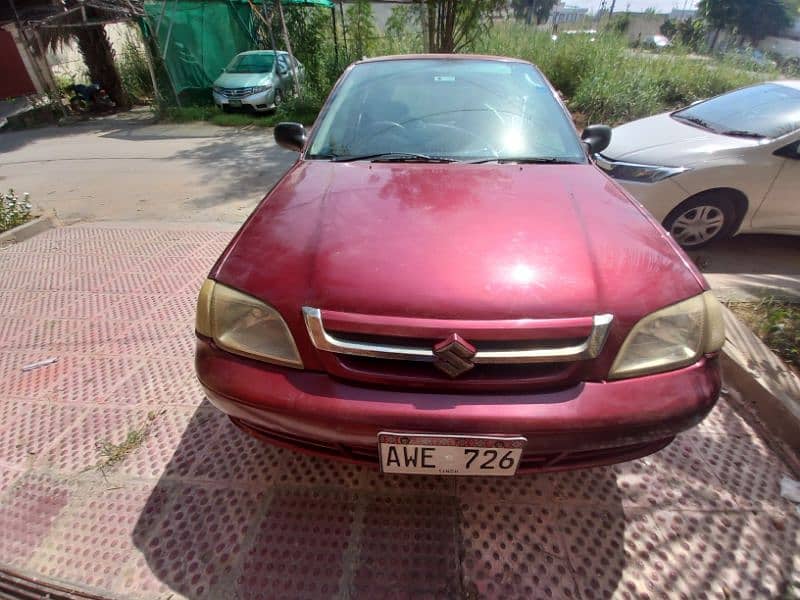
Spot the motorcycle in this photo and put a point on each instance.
(90, 98)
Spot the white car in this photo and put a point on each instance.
(258, 79)
(720, 167)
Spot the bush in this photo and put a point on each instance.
(605, 81)
(13, 211)
(133, 69)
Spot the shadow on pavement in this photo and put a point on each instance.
(232, 517)
(248, 164)
(750, 267)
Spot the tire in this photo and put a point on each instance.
(278, 99)
(701, 220)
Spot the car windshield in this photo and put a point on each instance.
(769, 110)
(251, 63)
(446, 109)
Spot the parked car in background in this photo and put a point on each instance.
(444, 283)
(720, 167)
(656, 42)
(259, 80)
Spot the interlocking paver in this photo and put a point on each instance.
(201, 510)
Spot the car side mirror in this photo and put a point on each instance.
(597, 138)
(790, 151)
(291, 136)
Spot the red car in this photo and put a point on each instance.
(444, 283)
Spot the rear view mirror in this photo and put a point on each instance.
(291, 136)
(597, 138)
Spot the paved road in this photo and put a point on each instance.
(124, 167)
(200, 510)
(750, 267)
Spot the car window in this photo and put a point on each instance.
(768, 110)
(251, 63)
(283, 64)
(461, 109)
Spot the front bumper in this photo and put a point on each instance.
(260, 101)
(590, 423)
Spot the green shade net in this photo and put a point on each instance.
(198, 38)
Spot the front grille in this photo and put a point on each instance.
(492, 355)
(236, 92)
(393, 373)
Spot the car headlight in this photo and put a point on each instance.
(635, 172)
(244, 325)
(671, 338)
(260, 88)
(217, 89)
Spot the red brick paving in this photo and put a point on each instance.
(201, 510)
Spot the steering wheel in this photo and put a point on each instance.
(471, 134)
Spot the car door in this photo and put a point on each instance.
(780, 209)
(284, 73)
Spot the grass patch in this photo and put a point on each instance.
(113, 454)
(608, 82)
(299, 110)
(777, 323)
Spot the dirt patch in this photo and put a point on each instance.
(777, 323)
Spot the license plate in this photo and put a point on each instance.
(431, 454)
(235, 102)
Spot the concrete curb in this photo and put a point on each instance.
(28, 230)
(766, 390)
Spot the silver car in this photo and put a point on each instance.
(259, 79)
(720, 167)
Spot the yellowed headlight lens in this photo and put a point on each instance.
(245, 325)
(667, 339)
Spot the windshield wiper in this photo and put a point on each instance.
(395, 157)
(695, 120)
(742, 133)
(526, 160)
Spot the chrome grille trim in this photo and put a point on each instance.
(589, 348)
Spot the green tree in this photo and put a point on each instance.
(530, 9)
(758, 19)
(720, 15)
(751, 19)
(542, 10)
(361, 32)
(453, 25)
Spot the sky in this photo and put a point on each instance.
(637, 5)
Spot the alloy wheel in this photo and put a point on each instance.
(698, 225)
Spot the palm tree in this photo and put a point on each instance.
(86, 28)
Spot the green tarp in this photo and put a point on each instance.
(198, 38)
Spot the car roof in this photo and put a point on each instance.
(484, 57)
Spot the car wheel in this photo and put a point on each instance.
(278, 100)
(701, 220)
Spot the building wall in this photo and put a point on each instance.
(783, 46)
(15, 78)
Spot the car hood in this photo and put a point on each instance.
(662, 140)
(455, 241)
(242, 80)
